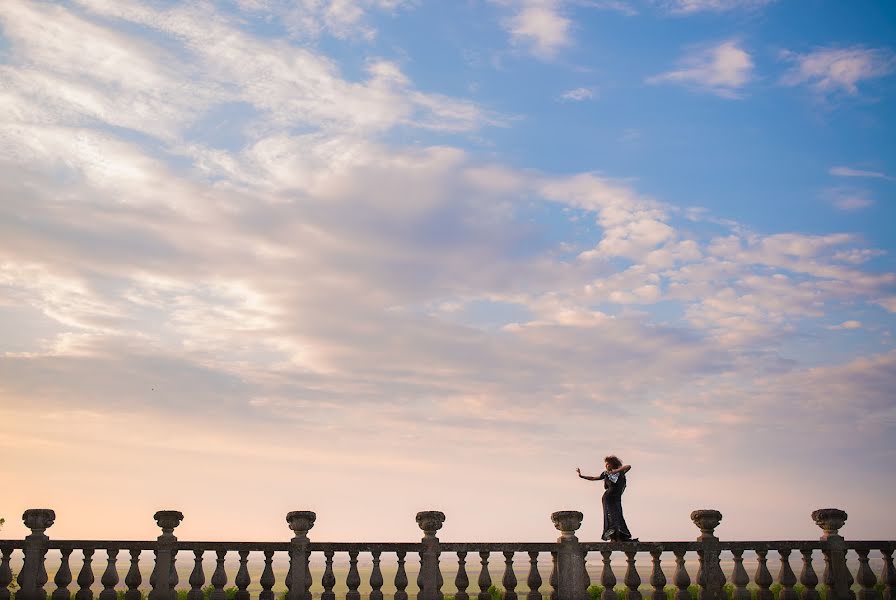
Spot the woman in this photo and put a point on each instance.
(615, 529)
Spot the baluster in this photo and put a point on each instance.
(33, 573)
(242, 579)
(509, 579)
(739, 577)
(133, 579)
(85, 577)
(657, 577)
(219, 578)
(155, 563)
(376, 577)
(808, 578)
(866, 578)
(585, 569)
(701, 576)
(197, 577)
(329, 579)
(763, 577)
(6, 571)
(267, 577)
(786, 577)
(888, 573)
(401, 577)
(485, 580)
(632, 578)
(461, 581)
(42, 577)
(607, 578)
(554, 575)
(354, 579)
(173, 579)
(682, 580)
(62, 579)
(110, 576)
(307, 576)
(849, 582)
(534, 578)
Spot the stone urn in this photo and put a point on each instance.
(39, 520)
(301, 522)
(706, 520)
(830, 520)
(168, 520)
(567, 522)
(430, 521)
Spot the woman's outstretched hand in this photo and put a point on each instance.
(578, 472)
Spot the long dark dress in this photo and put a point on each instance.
(614, 522)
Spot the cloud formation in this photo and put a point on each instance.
(721, 70)
(838, 70)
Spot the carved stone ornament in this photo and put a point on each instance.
(707, 520)
(167, 520)
(301, 521)
(829, 519)
(430, 521)
(567, 521)
(39, 520)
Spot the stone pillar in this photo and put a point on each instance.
(831, 520)
(571, 575)
(167, 520)
(430, 521)
(33, 575)
(712, 579)
(301, 522)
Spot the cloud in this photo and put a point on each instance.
(695, 6)
(849, 199)
(540, 27)
(721, 70)
(850, 172)
(846, 325)
(832, 69)
(578, 94)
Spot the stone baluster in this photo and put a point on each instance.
(585, 569)
(607, 578)
(711, 579)
(267, 580)
(219, 577)
(837, 575)
(485, 580)
(866, 579)
(110, 576)
(63, 577)
(571, 576)
(657, 577)
(353, 579)
(888, 574)
(534, 578)
(461, 581)
(808, 578)
(133, 579)
(329, 578)
(786, 577)
(739, 577)
(430, 521)
(6, 572)
(401, 577)
(632, 578)
(553, 580)
(376, 577)
(38, 520)
(160, 580)
(242, 579)
(85, 577)
(681, 579)
(173, 579)
(509, 580)
(197, 577)
(763, 577)
(298, 582)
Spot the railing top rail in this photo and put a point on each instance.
(498, 546)
(871, 545)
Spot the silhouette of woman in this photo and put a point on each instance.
(615, 529)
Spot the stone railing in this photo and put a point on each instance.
(568, 580)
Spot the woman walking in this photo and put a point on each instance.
(615, 529)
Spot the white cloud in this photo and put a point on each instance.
(848, 198)
(694, 6)
(722, 70)
(578, 94)
(850, 172)
(851, 324)
(540, 27)
(829, 70)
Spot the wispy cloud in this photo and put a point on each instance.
(578, 94)
(695, 6)
(540, 27)
(833, 69)
(849, 198)
(850, 172)
(721, 70)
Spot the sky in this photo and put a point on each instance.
(372, 257)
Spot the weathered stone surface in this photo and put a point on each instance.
(39, 520)
(168, 520)
(430, 521)
(567, 522)
(706, 520)
(301, 521)
(831, 520)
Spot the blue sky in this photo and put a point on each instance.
(445, 252)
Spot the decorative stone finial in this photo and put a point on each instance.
(168, 520)
(567, 522)
(830, 520)
(301, 522)
(430, 521)
(39, 520)
(707, 520)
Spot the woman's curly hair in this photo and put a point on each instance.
(613, 460)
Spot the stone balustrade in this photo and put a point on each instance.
(569, 578)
